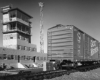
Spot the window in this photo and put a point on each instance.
(37, 58)
(1, 56)
(23, 57)
(41, 58)
(12, 56)
(32, 49)
(19, 27)
(4, 56)
(44, 58)
(11, 37)
(9, 57)
(33, 58)
(28, 57)
(25, 39)
(18, 47)
(19, 37)
(12, 26)
(16, 57)
(22, 38)
(12, 14)
(28, 48)
(23, 47)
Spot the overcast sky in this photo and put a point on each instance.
(84, 14)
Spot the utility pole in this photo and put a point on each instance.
(41, 28)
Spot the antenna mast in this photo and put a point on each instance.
(41, 28)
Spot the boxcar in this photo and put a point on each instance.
(67, 42)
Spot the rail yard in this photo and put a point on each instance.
(71, 51)
(29, 75)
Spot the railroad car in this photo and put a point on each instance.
(72, 46)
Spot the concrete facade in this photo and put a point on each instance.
(17, 47)
(12, 56)
(17, 29)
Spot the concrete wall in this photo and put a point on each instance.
(5, 52)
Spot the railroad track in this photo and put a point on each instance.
(47, 74)
(37, 76)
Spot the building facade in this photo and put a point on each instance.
(17, 29)
(17, 47)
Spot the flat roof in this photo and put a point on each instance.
(21, 11)
(12, 9)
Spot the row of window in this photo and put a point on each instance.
(13, 37)
(18, 57)
(17, 26)
(23, 38)
(20, 47)
(19, 15)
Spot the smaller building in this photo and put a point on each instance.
(11, 57)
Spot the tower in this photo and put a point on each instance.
(16, 29)
(41, 28)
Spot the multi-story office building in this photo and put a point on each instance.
(17, 45)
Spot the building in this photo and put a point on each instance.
(17, 47)
(17, 30)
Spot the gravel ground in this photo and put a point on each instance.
(90, 75)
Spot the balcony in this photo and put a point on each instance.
(16, 19)
(13, 30)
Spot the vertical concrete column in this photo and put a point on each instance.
(16, 26)
(44, 66)
(8, 27)
(25, 29)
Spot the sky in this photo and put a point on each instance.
(84, 14)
